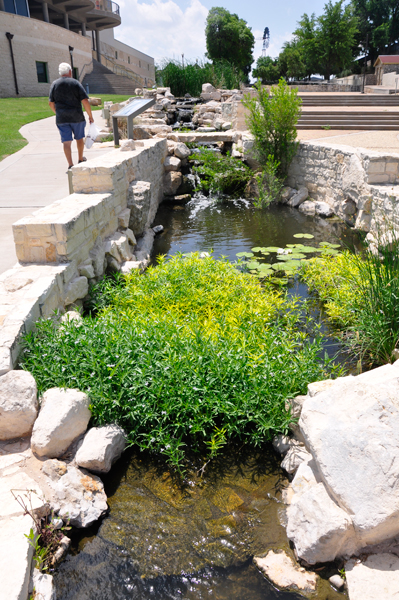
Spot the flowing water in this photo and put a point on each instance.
(161, 540)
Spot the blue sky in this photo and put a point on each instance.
(168, 28)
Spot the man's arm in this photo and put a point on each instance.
(52, 106)
(87, 108)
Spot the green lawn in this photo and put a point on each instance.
(15, 112)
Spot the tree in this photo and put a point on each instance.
(266, 69)
(337, 29)
(272, 120)
(307, 41)
(379, 23)
(229, 38)
(291, 60)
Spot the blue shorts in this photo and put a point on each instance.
(66, 130)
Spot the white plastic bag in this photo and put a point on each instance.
(92, 135)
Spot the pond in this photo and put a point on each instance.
(163, 541)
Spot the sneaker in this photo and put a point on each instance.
(83, 159)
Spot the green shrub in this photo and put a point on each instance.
(190, 355)
(220, 173)
(188, 78)
(272, 120)
(269, 184)
(361, 293)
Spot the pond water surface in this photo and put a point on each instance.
(161, 540)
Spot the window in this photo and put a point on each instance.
(17, 7)
(76, 73)
(116, 54)
(128, 59)
(42, 72)
(140, 64)
(148, 67)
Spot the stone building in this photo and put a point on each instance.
(386, 63)
(37, 35)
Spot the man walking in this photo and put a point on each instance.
(66, 98)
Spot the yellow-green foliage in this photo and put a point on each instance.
(333, 277)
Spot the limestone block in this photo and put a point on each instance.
(97, 255)
(286, 194)
(141, 133)
(181, 150)
(130, 236)
(43, 584)
(144, 245)
(78, 496)
(139, 201)
(172, 163)
(296, 455)
(78, 288)
(122, 243)
(86, 270)
(6, 362)
(323, 210)
(319, 528)
(18, 404)
(308, 208)
(130, 265)
(285, 574)
(101, 447)
(298, 198)
(15, 557)
(351, 431)
(226, 125)
(63, 417)
(281, 443)
(171, 147)
(208, 88)
(71, 315)
(211, 96)
(127, 145)
(171, 182)
(376, 577)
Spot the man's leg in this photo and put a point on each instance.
(68, 152)
(81, 146)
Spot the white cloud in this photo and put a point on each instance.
(162, 29)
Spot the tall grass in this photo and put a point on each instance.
(361, 292)
(191, 355)
(189, 77)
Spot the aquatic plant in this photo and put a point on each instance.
(269, 184)
(189, 355)
(272, 120)
(189, 77)
(219, 172)
(361, 293)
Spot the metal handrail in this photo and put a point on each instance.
(107, 6)
(120, 70)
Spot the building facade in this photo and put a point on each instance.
(35, 36)
(386, 63)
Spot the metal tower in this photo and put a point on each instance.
(266, 41)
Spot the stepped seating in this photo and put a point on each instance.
(359, 112)
(103, 81)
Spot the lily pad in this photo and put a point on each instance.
(254, 264)
(278, 267)
(272, 249)
(265, 253)
(328, 245)
(308, 249)
(307, 236)
(244, 254)
(329, 252)
(257, 249)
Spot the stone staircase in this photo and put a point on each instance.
(357, 112)
(103, 81)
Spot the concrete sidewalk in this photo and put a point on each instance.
(34, 177)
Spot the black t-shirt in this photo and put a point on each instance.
(67, 93)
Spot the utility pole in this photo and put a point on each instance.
(365, 62)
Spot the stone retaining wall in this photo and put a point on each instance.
(64, 247)
(361, 186)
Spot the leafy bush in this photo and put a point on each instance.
(272, 121)
(220, 173)
(361, 293)
(269, 184)
(188, 78)
(188, 356)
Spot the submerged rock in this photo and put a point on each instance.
(285, 574)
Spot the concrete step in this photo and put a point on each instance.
(349, 126)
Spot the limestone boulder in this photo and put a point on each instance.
(208, 88)
(172, 163)
(139, 201)
(78, 496)
(307, 208)
(286, 194)
(171, 182)
(285, 574)
(376, 577)
(101, 447)
(43, 586)
(181, 151)
(63, 417)
(141, 133)
(296, 200)
(319, 528)
(352, 431)
(323, 210)
(18, 404)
